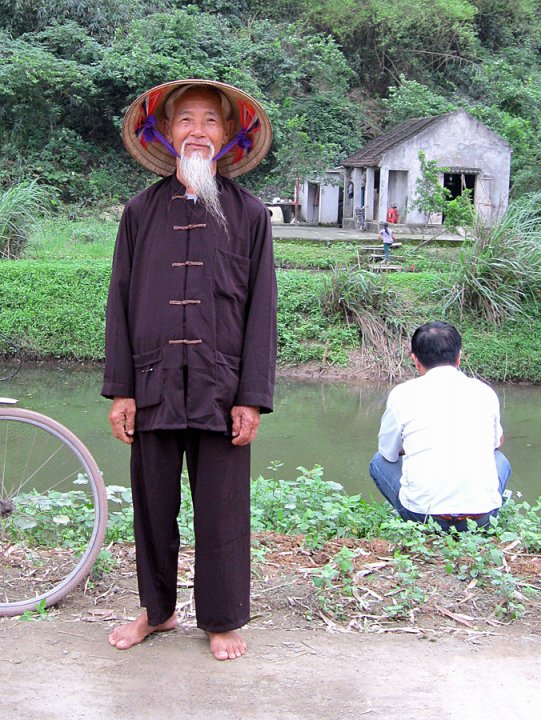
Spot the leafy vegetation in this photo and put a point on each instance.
(338, 75)
(304, 332)
(55, 309)
(53, 301)
(20, 208)
(498, 276)
(307, 255)
(320, 512)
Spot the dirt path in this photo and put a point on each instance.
(65, 669)
(449, 658)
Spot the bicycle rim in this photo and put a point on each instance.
(53, 511)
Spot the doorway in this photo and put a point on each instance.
(457, 182)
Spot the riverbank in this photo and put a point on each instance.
(56, 309)
(293, 589)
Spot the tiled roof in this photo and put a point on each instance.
(371, 153)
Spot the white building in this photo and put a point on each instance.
(321, 202)
(385, 171)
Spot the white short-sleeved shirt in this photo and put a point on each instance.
(448, 426)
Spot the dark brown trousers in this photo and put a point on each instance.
(219, 474)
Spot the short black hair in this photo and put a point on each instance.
(436, 343)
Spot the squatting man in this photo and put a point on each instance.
(191, 348)
(439, 438)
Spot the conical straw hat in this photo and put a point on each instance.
(156, 157)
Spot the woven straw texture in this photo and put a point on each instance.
(156, 158)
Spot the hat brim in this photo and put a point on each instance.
(155, 157)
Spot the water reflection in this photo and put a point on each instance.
(330, 424)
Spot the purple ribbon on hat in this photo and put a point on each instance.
(149, 133)
(242, 140)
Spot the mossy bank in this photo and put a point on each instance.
(56, 309)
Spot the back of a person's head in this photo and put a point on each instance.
(436, 343)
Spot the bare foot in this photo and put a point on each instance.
(132, 633)
(227, 645)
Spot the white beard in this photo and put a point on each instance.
(198, 174)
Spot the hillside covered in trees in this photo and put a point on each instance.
(332, 74)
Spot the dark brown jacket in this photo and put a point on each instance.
(191, 315)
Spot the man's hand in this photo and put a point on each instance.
(245, 424)
(122, 419)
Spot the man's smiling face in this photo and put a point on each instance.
(197, 124)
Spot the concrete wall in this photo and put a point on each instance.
(306, 199)
(398, 192)
(328, 204)
(457, 141)
(319, 202)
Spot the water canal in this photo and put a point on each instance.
(331, 424)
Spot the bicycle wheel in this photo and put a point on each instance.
(53, 511)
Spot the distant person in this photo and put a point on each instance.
(388, 238)
(392, 215)
(438, 442)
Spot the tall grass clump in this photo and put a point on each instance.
(497, 275)
(368, 302)
(20, 208)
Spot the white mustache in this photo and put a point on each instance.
(190, 141)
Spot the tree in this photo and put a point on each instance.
(500, 23)
(430, 195)
(383, 39)
(100, 19)
(410, 99)
(300, 157)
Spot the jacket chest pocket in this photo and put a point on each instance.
(231, 276)
(148, 378)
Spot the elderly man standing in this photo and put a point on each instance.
(439, 438)
(190, 348)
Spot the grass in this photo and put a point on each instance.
(61, 238)
(53, 302)
(370, 304)
(55, 308)
(499, 275)
(304, 256)
(20, 208)
(304, 332)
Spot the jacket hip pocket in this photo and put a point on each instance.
(148, 378)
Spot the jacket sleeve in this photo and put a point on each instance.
(258, 365)
(118, 373)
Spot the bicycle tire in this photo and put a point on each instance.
(25, 436)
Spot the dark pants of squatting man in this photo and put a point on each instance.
(219, 475)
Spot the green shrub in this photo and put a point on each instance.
(369, 304)
(20, 208)
(500, 272)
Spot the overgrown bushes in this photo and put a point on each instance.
(498, 275)
(20, 207)
(368, 303)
